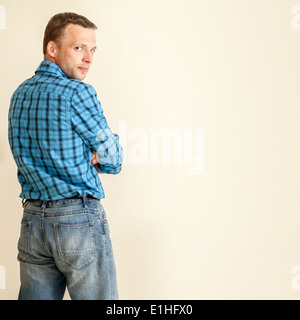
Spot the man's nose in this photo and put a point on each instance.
(88, 57)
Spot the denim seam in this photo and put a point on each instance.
(26, 248)
(43, 230)
(108, 250)
(107, 240)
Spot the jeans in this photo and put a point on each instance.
(66, 243)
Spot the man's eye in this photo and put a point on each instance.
(93, 51)
(78, 48)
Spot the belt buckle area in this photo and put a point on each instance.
(25, 202)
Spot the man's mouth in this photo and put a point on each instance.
(83, 69)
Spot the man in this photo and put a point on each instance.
(60, 142)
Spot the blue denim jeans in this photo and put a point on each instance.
(66, 243)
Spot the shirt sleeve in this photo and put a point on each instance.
(89, 122)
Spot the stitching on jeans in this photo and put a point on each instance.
(76, 252)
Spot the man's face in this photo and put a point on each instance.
(74, 55)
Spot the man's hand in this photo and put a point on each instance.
(95, 161)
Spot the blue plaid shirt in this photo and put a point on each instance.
(55, 123)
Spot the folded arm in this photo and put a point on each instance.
(89, 122)
(95, 161)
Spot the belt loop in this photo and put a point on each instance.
(23, 202)
(44, 204)
(84, 202)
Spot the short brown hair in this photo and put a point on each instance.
(59, 22)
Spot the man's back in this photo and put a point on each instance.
(54, 125)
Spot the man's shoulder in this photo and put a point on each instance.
(72, 88)
(81, 86)
(55, 85)
(83, 90)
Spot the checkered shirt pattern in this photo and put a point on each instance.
(54, 124)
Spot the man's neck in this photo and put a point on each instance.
(49, 58)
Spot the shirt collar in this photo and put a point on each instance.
(50, 67)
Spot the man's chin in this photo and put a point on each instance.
(79, 77)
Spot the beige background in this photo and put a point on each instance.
(230, 68)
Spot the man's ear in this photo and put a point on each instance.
(52, 49)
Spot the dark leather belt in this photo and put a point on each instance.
(24, 201)
(78, 197)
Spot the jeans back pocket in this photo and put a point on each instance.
(75, 244)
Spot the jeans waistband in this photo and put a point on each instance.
(52, 203)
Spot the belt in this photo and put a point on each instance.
(24, 201)
(78, 197)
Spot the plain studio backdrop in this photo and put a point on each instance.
(205, 97)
